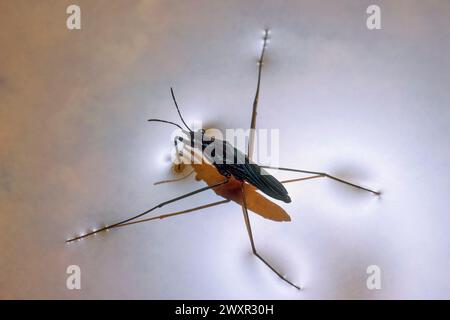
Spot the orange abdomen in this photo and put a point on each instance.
(255, 201)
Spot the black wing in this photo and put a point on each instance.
(228, 159)
(260, 178)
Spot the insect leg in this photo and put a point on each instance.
(149, 210)
(302, 179)
(325, 175)
(174, 180)
(167, 215)
(252, 242)
(255, 101)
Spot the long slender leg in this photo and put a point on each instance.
(167, 215)
(149, 210)
(255, 101)
(252, 242)
(302, 179)
(325, 175)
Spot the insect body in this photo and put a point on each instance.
(233, 175)
(255, 201)
(229, 161)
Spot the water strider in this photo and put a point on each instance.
(231, 174)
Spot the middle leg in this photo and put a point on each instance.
(318, 174)
(167, 215)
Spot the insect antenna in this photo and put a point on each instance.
(178, 109)
(165, 121)
(179, 113)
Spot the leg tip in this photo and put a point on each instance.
(378, 193)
